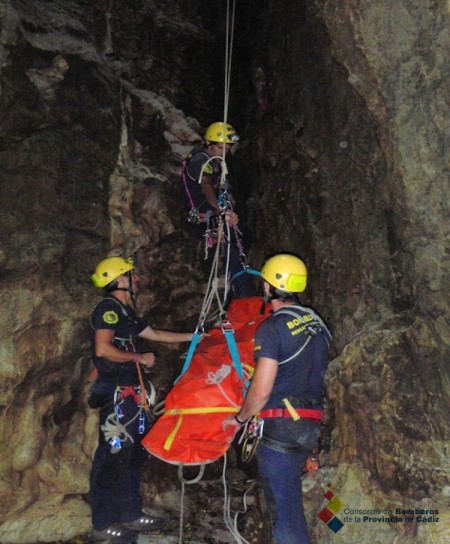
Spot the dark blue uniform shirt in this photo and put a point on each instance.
(301, 377)
(111, 314)
(194, 173)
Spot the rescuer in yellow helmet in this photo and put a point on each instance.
(207, 195)
(119, 394)
(285, 275)
(204, 167)
(221, 132)
(286, 393)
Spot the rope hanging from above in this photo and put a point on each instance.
(228, 54)
(222, 230)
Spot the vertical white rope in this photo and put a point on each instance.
(226, 63)
(212, 287)
(180, 538)
(230, 522)
(213, 283)
(227, 260)
(230, 18)
(228, 54)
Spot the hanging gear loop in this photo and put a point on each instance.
(114, 431)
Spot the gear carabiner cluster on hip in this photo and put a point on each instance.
(251, 437)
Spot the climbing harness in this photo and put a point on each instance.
(194, 216)
(147, 399)
(311, 327)
(253, 430)
(114, 431)
(218, 226)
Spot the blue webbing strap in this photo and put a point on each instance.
(246, 271)
(232, 348)
(194, 342)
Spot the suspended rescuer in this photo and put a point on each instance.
(119, 393)
(207, 195)
(291, 355)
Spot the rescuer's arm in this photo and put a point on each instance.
(258, 394)
(155, 335)
(104, 348)
(209, 192)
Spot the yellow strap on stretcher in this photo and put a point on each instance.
(201, 410)
(291, 410)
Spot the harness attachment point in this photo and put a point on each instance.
(251, 437)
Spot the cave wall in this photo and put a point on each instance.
(342, 106)
(91, 138)
(348, 109)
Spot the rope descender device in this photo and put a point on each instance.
(251, 437)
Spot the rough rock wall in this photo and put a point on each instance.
(348, 134)
(90, 145)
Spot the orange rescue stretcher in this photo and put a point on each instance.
(211, 386)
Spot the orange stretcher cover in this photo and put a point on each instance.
(189, 432)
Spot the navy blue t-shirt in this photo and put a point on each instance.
(111, 314)
(194, 173)
(300, 377)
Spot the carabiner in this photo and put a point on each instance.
(251, 437)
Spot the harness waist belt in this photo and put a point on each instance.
(308, 413)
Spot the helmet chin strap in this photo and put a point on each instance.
(128, 289)
(271, 295)
(276, 294)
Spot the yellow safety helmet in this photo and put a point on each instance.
(221, 132)
(286, 273)
(109, 269)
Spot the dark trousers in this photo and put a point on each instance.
(115, 477)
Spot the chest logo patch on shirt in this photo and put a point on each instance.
(208, 169)
(110, 317)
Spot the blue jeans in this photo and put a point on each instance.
(115, 477)
(281, 478)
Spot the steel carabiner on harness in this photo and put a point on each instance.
(223, 201)
(210, 237)
(193, 216)
(141, 422)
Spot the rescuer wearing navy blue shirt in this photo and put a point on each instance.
(118, 393)
(291, 355)
(202, 178)
(111, 314)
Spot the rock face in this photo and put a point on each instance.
(343, 129)
(343, 106)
